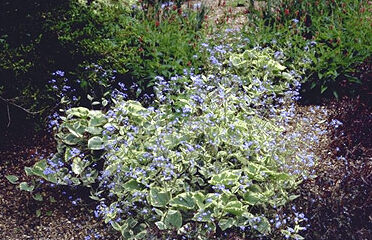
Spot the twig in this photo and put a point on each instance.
(7, 108)
(8, 101)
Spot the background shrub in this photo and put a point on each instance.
(94, 45)
(332, 36)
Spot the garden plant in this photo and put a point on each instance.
(178, 127)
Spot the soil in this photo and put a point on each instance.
(22, 217)
(338, 201)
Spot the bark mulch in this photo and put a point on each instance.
(22, 217)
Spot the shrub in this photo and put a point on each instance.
(333, 36)
(25, 49)
(135, 45)
(205, 159)
(123, 43)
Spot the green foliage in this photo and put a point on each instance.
(96, 46)
(131, 42)
(25, 53)
(12, 178)
(261, 64)
(332, 36)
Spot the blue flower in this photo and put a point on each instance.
(59, 73)
(48, 171)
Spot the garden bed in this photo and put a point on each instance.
(217, 144)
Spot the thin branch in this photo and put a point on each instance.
(9, 119)
(8, 101)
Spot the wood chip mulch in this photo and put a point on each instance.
(22, 217)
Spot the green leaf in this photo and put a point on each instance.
(323, 88)
(96, 143)
(71, 139)
(78, 112)
(313, 85)
(203, 215)
(78, 166)
(25, 187)
(159, 198)
(74, 129)
(276, 65)
(116, 226)
(199, 199)
(141, 234)
(37, 197)
(226, 223)
(38, 213)
(133, 185)
(38, 168)
(297, 237)
(135, 108)
(159, 212)
(183, 201)
(97, 119)
(94, 130)
(234, 207)
(335, 94)
(161, 225)
(12, 179)
(254, 171)
(227, 178)
(28, 171)
(264, 226)
(251, 197)
(236, 60)
(293, 197)
(320, 75)
(172, 219)
(171, 141)
(279, 176)
(104, 102)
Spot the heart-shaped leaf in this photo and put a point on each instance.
(25, 187)
(251, 197)
(234, 207)
(96, 143)
(183, 201)
(78, 166)
(12, 179)
(173, 219)
(159, 198)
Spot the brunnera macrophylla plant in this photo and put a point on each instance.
(205, 158)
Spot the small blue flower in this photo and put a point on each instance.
(59, 73)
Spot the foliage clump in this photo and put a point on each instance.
(95, 46)
(207, 157)
(331, 37)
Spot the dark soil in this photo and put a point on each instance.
(339, 201)
(19, 212)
